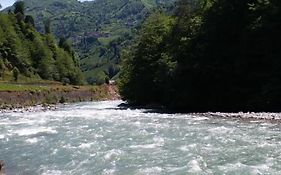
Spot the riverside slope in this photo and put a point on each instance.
(17, 96)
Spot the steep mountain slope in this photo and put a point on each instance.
(25, 52)
(98, 29)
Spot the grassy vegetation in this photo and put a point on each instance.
(17, 95)
(22, 87)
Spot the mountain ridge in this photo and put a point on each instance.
(98, 29)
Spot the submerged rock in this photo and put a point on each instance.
(2, 167)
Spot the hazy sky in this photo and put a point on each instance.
(6, 3)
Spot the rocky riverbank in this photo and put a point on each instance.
(46, 96)
(244, 115)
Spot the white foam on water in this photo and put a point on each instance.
(23, 120)
(253, 169)
(54, 151)
(158, 142)
(265, 144)
(69, 146)
(32, 140)
(261, 167)
(194, 145)
(33, 131)
(52, 172)
(172, 170)
(122, 139)
(98, 136)
(184, 148)
(220, 130)
(150, 171)
(194, 166)
(200, 118)
(108, 172)
(85, 145)
(112, 154)
(137, 123)
(147, 146)
(143, 132)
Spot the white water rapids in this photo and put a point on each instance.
(101, 138)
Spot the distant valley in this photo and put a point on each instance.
(98, 29)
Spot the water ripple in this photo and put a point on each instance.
(101, 138)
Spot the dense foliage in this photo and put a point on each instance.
(147, 67)
(217, 55)
(24, 51)
(98, 29)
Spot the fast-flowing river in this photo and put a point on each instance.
(100, 138)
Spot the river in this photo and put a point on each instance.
(101, 138)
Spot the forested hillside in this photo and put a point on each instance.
(25, 52)
(219, 56)
(98, 29)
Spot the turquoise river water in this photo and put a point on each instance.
(101, 138)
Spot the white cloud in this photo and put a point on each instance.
(7, 3)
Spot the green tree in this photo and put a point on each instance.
(147, 67)
(16, 73)
(29, 20)
(47, 26)
(19, 7)
(65, 44)
(33, 54)
(216, 56)
(2, 67)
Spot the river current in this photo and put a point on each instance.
(101, 138)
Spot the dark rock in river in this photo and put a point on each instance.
(2, 167)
